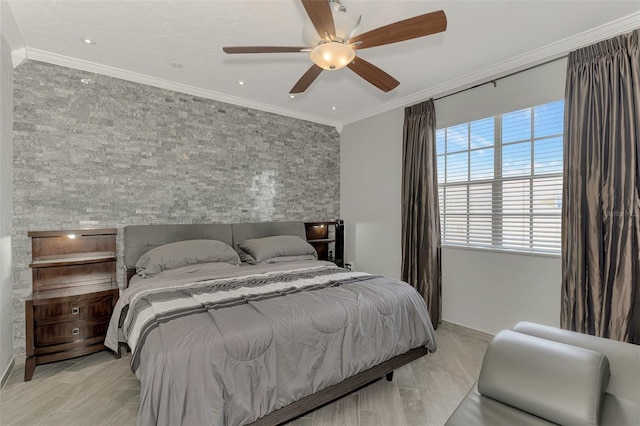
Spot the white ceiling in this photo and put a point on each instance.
(138, 40)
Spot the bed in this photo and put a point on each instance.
(220, 341)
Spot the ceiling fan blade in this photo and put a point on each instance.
(373, 75)
(263, 49)
(306, 80)
(418, 26)
(319, 12)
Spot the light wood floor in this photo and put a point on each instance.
(100, 390)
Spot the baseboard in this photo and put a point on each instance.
(7, 372)
(466, 330)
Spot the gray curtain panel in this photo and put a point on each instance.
(601, 202)
(421, 264)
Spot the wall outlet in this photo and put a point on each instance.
(348, 266)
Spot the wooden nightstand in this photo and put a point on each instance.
(74, 292)
(328, 240)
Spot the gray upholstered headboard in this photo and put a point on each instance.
(139, 239)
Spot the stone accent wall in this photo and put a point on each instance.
(113, 153)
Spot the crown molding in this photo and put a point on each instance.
(534, 57)
(18, 56)
(79, 64)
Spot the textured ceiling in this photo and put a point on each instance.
(143, 38)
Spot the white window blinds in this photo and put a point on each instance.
(500, 180)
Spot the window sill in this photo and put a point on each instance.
(502, 251)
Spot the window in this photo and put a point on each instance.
(500, 180)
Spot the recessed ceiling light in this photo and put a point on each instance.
(86, 80)
(241, 82)
(87, 40)
(177, 65)
(292, 96)
(334, 108)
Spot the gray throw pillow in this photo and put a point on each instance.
(262, 249)
(246, 257)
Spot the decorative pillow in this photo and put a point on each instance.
(265, 248)
(182, 253)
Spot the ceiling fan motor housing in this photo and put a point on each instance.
(346, 24)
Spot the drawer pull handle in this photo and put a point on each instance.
(75, 331)
(75, 311)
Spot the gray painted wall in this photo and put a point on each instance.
(6, 209)
(485, 290)
(114, 153)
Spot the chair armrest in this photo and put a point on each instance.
(561, 383)
(624, 358)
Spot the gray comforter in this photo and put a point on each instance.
(224, 345)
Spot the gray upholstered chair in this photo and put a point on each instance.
(540, 375)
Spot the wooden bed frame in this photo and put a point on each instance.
(326, 395)
(145, 237)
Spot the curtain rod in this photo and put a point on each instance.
(495, 80)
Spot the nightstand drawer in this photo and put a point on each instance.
(54, 334)
(73, 310)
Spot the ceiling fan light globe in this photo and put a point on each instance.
(332, 56)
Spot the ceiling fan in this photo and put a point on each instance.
(336, 51)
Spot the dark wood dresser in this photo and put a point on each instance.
(74, 292)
